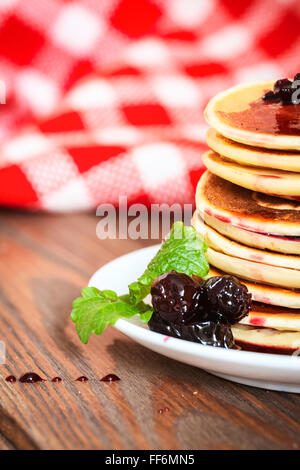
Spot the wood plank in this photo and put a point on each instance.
(5, 444)
(44, 262)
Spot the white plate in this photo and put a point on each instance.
(270, 371)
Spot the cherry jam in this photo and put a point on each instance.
(163, 410)
(82, 378)
(177, 297)
(56, 379)
(110, 378)
(11, 379)
(31, 378)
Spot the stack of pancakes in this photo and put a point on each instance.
(248, 210)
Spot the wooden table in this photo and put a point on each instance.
(44, 261)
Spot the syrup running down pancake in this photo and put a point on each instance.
(247, 209)
(219, 242)
(266, 339)
(240, 114)
(256, 272)
(264, 241)
(270, 316)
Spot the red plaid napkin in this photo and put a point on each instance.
(105, 98)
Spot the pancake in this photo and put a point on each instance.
(247, 209)
(269, 316)
(252, 239)
(257, 272)
(273, 182)
(255, 156)
(267, 294)
(266, 340)
(240, 114)
(218, 242)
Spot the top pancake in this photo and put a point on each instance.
(240, 114)
(245, 208)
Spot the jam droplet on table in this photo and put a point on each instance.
(31, 378)
(82, 378)
(110, 378)
(163, 410)
(11, 379)
(56, 379)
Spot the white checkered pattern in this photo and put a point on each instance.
(106, 98)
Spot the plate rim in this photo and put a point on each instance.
(271, 361)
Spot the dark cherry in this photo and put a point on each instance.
(226, 296)
(210, 315)
(286, 95)
(56, 379)
(31, 378)
(283, 91)
(82, 378)
(176, 296)
(282, 84)
(270, 96)
(110, 378)
(207, 333)
(297, 77)
(11, 379)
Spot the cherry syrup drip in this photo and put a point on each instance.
(82, 379)
(31, 378)
(163, 410)
(110, 378)
(11, 379)
(56, 379)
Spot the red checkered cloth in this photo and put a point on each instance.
(106, 98)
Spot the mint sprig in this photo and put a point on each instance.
(183, 252)
(96, 310)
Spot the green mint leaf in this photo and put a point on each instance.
(145, 317)
(183, 252)
(89, 292)
(96, 310)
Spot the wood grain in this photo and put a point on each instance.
(44, 262)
